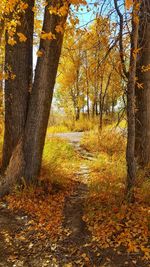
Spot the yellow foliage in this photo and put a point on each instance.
(39, 53)
(11, 41)
(48, 36)
(108, 141)
(145, 68)
(128, 3)
(22, 37)
(59, 28)
(77, 2)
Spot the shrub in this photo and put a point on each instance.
(108, 141)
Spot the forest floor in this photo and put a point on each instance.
(23, 244)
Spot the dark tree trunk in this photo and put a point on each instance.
(142, 144)
(77, 113)
(101, 120)
(42, 93)
(77, 94)
(88, 102)
(18, 60)
(26, 159)
(113, 108)
(93, 109)
(130, 156)
(102, 97)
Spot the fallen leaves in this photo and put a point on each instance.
(126, 226)
(46, 209)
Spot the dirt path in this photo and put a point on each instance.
(18, 246)
(21, 247)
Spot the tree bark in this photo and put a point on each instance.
(130, 150)
(18, 61)
(142, 134)
(102, 97)
(31, 142)
(42, 93)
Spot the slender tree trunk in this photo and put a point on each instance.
(101, 120)
(102, 99)
(77, 113)
(142, 144)
(88, 102)
(130, 156)
(113, 108)
(77, 96)
(93, 109)
(87, 87)
(18, 61)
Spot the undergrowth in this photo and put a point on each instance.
(60, 128)
(108, 141)
(81, 125)
(113, 222)
(59, 160)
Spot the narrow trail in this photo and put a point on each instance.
(20, 247)
(74, 206)
(75, 249)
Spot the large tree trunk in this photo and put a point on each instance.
(18, 60)
(42, 93)
(31, 143)
(130, 157)
(142, 145)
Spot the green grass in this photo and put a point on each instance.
(58, 161)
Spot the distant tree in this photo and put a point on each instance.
(92, 74)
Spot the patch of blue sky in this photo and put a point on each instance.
(87, 14)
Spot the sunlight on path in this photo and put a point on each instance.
(72, 137)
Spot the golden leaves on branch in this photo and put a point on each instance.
(48, 36)
(18, 5)
(39, 53)
(135, 5)
(135, 52)
(22, 37)
(78, 2)
(11, 41)
(13, 9)
(128, 4)
(60, 11)
(145, 68)
(59, 29)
